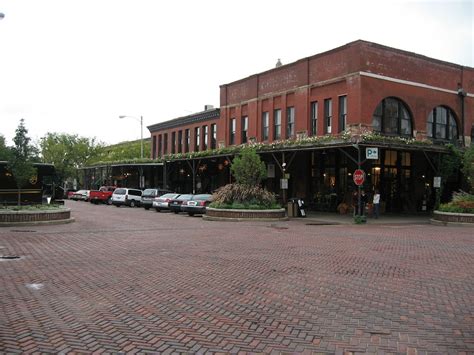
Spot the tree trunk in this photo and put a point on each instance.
(19, 197)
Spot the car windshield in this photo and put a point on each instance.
(119, 192)
(149, 192)
(184, 197)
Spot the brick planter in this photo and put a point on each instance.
(217, 214)
(450, 217)
(16, 218)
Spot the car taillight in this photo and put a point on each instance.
(184, 202)
(167, 200)
(202, 203)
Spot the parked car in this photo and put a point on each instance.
(197, 204)
(126, 196)
(160, 203)
(149, 195)
(81, 195)
(103, 195)
(68, 193)
(175, 204)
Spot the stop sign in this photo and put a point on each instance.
(358, 177)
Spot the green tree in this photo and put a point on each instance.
(21, 160)
(68, 152)
(5, 152)
(468, 166)
(247, 168)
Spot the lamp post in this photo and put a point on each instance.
(141, 131)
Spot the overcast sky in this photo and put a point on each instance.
(74, 66)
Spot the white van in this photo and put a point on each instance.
(124, 196)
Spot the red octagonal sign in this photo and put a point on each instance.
(358, 177)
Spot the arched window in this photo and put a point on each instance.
(392, 117)
(442, 124)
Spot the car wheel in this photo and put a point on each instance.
(175, 212)
(191, 214)
(132, 203)
(147, 208)
(117, 205)
(157, 209)
(109, 201)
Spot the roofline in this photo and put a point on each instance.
(194, 117)
(348, 45)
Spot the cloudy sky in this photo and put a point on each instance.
(74, 66)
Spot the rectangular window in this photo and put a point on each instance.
(187, 140)
(173, 142)
(197, 138)
(342, 113)
(314, 118)
(160, 145)
(265, 126)
(290, 122)
(327, 116)
(165, 143)
(180, 141)
(205, 132)
(153, 153)
(232, 130)
(277, 124)
(213, 136)
(245, 127)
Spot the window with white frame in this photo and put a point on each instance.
(277, 124)
(265, 126)
(314, 118)
(342, 113)
(290, 122)
(327, 115)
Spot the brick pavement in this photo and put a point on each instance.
(134, 281)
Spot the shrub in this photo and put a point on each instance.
(247, 168)
(462, 203)
(239, 196)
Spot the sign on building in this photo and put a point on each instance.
(437, 181)
(372, 153)
(284, 184)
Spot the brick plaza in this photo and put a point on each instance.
(134, 281)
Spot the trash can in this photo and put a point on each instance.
(293, 207)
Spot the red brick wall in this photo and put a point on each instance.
(335, 73)
(192, 132)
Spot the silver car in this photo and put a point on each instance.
(161, 203)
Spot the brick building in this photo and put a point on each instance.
(352, 91)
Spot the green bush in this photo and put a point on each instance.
(462, 203)
(237, 196)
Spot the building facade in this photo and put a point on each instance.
(359, 89)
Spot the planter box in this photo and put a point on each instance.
(218, 214)
(450, 217)
(9, 218)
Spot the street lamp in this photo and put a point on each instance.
(141, 130)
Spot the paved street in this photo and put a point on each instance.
(135, 281)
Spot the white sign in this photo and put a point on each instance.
(271, 170)
(284, 184)
(437, 181)
(372, 153)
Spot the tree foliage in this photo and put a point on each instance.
(20, 162)
(247, 168)
(5, 152)
(468, 166)
(68, 152)
(123, 151)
